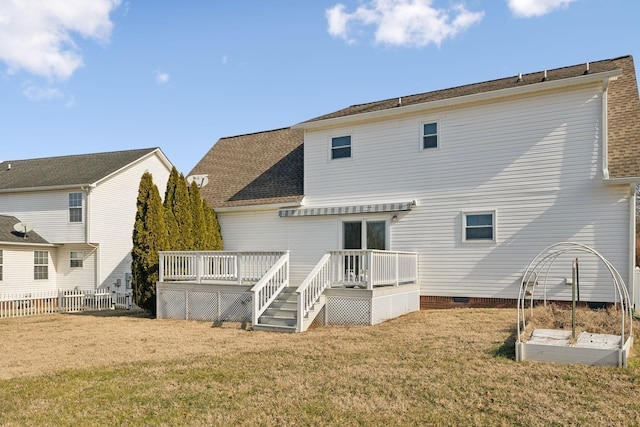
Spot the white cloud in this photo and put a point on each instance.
(37, 36)
(531, 8)
(46, 93)
(37, 93)
(402, 22)
(162, 78)
(225, 60)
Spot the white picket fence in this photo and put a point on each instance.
(69, 301)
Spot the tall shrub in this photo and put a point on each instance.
(213, 237)
(177, 209)
(149, 237)
(199, 227)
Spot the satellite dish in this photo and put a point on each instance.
(23, 227)
(201, 180)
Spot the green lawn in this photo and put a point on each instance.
(447, 367)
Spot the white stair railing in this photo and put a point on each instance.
(310, 291)
(269, 286)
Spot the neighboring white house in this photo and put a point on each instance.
(477, 179)
(80, 212)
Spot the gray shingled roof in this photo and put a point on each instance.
(81, 169)
(8, 234)
(254, 169)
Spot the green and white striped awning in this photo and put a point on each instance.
(346, 210)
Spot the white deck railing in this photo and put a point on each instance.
(312, 287)
(351, 268)
(197, 266)
(369, 268)
(269, 286)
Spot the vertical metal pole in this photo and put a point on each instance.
(578, 279)
(573, 298)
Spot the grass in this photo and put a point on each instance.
(449, 367)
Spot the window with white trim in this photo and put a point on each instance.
(75, 207)
(479, 226)
(341, 147)
(40, 265)
(1, 264)
(76, 259)
(429, 135)
(364, 234)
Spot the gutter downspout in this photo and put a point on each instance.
(605, 130)
(87, 235)
(633, 287)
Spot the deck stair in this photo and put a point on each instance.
(282, 314)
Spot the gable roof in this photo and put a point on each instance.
(623, 113)
(267, 167)
(254, 169)
(9, 235)
(65, 171)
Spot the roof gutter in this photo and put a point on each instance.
(266, 207)
(466, 99)
(48, 245)
(48, 188)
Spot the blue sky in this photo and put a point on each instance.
(82, 76)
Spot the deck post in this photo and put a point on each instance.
(369, 255)
(397, 269)
(161, 267)
(239, 268)
(198, 261)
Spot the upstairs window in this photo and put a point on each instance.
(341, 147)
(479, 226)
(76, 259)
(41, 265)
(75, 207)
(429, 135)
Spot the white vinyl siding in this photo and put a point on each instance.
(104, 235)
(75, 277)
(112, 209)
(536, 160)
(47, 211)
(18, 271)
(1, 264)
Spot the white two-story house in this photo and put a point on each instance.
(476, 179)
(66, 222)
